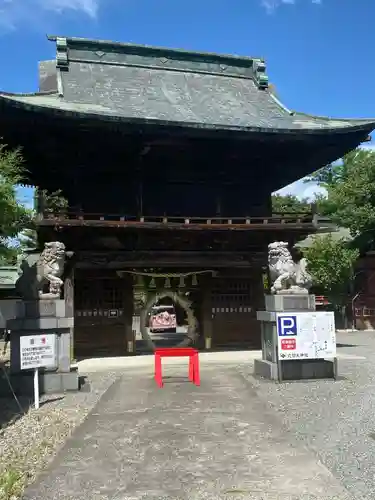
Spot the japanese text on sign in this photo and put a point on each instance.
(306, 335)
(38, 351)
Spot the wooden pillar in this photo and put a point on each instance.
(128, 315)
(207, 312)
(69, 306)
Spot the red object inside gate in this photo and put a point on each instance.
(170, 352)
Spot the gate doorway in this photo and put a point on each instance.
(168, 319)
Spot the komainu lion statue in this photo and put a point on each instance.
(287, 276)
(45, 271)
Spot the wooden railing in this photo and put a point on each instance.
(74, 218)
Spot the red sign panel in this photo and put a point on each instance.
(288, 344)
(163, 320)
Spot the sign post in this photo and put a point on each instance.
(36, 388)
(38, 351)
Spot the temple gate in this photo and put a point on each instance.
(172, 178)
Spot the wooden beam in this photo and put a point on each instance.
(119, 260)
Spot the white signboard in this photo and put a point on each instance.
(306, 335)
(38, 351)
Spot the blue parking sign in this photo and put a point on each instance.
(286, 326)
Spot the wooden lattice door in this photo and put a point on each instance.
(99, 316)
(235, 301)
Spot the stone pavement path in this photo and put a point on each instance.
(216, 441)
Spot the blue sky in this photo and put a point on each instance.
(318, 52)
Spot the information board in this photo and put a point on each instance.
(306, 335)
(38, 351)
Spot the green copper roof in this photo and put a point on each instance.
(133, 83)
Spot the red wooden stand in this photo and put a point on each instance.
(177, 352)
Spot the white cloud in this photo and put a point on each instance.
(302, 190)
(272, 5)
(89, 7)
(15, 12)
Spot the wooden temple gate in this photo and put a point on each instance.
(225, 308)
(193, 180)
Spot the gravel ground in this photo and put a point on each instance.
(334, 419)
(28, 443)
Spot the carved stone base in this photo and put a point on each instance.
(39, 314)
(265, 369)
(293, 290)
(290, 302)
(49, 383)
(37, 317)
(306, 369)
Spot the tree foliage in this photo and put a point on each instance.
(14, 217)
(331, 265)
(328, 175)
(290, 204)
(53, 202)
(350, 203)
(350, 200)
(352, 197)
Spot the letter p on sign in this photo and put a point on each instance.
(286, 325)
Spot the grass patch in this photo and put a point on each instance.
(11, 484)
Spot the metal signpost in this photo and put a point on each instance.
(38, 351)
(305, 336)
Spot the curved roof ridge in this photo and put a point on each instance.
(280, 104)
(155, 48)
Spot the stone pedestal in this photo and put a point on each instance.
(290, 302)
(36, 318)
(270, 366)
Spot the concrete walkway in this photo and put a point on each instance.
(216, 441)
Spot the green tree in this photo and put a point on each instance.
(327, 176)
(331, 265)
(14, 217)
(350, 200)
(290, 204)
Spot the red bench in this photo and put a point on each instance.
(170, 352)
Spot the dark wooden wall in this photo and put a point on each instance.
(103, 311)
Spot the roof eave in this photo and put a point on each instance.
(338, 121)
(18, 100)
